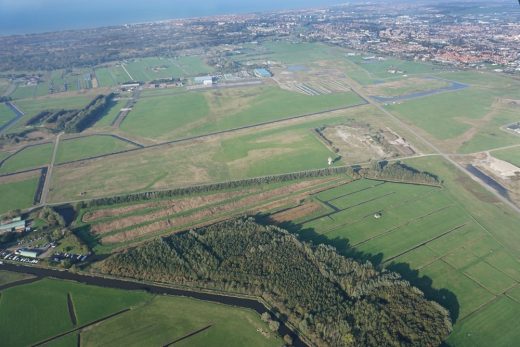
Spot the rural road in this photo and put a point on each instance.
(47, 184)
(461, 168)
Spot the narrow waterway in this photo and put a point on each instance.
(488, 180)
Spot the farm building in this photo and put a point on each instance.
(205, 80)
(262, 73)
(15, 225)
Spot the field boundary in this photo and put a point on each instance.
(424, 243)
(41, 343)
(187, 336)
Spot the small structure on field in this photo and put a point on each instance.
(329, 160)
(378, 215)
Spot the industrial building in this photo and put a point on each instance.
(205, 80)
(29, 253)
(15, 225)
(262, 73)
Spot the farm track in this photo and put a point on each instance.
(48, 176)
(122, 114)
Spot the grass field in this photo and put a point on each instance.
(31, 107)
(56, 81)
(42, 308)
(30, 157)
(288, 53)
(284, 148)
(90, 146)
(406, 86)
(511, 155)
(166, 319)
(152, 68)
(7, 277)
(442, 115)
(451, 242)
(5, 114)
(466, 121)
(110, 114)
(198, 113)
(367, 72)
(17, 195)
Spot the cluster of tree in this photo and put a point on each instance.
(398, 171)
(72, 121)
(51, 217)
(165, 80)
(5, 98)
(17, 137)
(217, 186)
(332, 300)
(322, 137)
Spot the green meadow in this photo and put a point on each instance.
(110, 114)
(31, 107)
(166, 319)
(152, 320)
(18, 194)
(286, 148)
(42, 306)
(197, 113)
(89, 146)
(511, 155)
(28, 158)
(5, 114)
(449, 241)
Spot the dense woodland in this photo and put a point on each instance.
(73, 121)
(331, 299)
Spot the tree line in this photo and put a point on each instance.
(331, 299)
(74, 121)
(395, 172)
(217, 186)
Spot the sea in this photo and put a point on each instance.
(36, 16)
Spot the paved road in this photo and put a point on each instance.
(434, 148)
(47, 184)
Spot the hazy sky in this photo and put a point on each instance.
(26, 16)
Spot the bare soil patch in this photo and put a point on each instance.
(170, 208)
(216, 211)
(296, 213)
